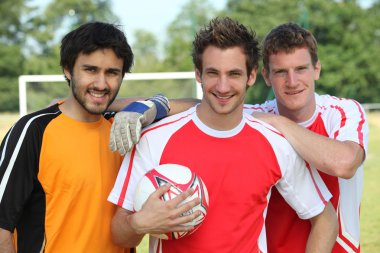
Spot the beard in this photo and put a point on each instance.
(92, 108)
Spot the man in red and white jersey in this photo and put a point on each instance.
(238, 157)
(291, 67)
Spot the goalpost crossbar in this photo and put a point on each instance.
(24, 79)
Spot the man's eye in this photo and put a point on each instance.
(280, 72)
(212, 73)
(113, 73)
(236, 74)
(301, 69)
(90, 70)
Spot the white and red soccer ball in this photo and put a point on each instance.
(181, 178)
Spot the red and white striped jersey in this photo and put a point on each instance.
(239, 168)
(339, 119)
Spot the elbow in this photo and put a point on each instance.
(346, 168)
(121, 242)
(347, 163)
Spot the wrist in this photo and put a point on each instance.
(134, 223)
(162, 106)
(138, 106)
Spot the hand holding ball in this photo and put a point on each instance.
(181, 178)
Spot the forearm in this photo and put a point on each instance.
(324, 231)
(119, 103)
(331, 156)
(181, 104)
(176, 105)
(6, 242)
(122, 232)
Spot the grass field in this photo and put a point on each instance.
(370, 209)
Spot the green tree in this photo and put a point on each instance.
(176, 55)
(147, 52)
(347, 34)
(29, 43)
(11, 57)
(45, 28)
(194, 15)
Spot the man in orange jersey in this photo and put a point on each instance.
(56, 170)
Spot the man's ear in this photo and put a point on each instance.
(252, 77)
(198, 76)
(317, 70)
(67, 73)
(265, 74)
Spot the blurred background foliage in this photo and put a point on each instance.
(348, 36)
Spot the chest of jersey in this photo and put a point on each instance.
(238, 171)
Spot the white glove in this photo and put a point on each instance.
(127, 125)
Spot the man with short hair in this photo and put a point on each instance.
(239, 158)
(56, 170)
(330, 133)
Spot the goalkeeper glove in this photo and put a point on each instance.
(127, 125)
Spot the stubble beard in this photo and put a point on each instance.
(98, 108)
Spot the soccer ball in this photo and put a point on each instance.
(181, 178)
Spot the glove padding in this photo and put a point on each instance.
(127, 125)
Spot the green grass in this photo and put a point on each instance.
(370, 209)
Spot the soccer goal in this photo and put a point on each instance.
(25, 80)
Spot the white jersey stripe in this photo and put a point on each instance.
(361, 123)
(8, 171)
(344, 245)
(5, 146)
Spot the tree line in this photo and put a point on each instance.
(348, 36)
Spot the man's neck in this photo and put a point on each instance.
(219, 121)
(72, 109)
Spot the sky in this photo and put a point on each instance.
(151, 15)
(155, 15)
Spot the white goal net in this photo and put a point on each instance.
(25, 80)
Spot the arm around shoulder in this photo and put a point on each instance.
(334, 157)
(181, 104)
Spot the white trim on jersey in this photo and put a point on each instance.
(344, 120)
(295, 183)
(8, 170)
(304, 190)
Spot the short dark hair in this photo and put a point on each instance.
(223, 32)
(287, 38)
(92, 36)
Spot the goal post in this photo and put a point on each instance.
(25, 79)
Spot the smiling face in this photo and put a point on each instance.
(224, 81)
(292, 77)
(95, 82)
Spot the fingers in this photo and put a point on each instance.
(158, 216)
(135, 128)
(181, 205)
(112, 142)
(125, 131)
(160, 191)
(123, 139)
